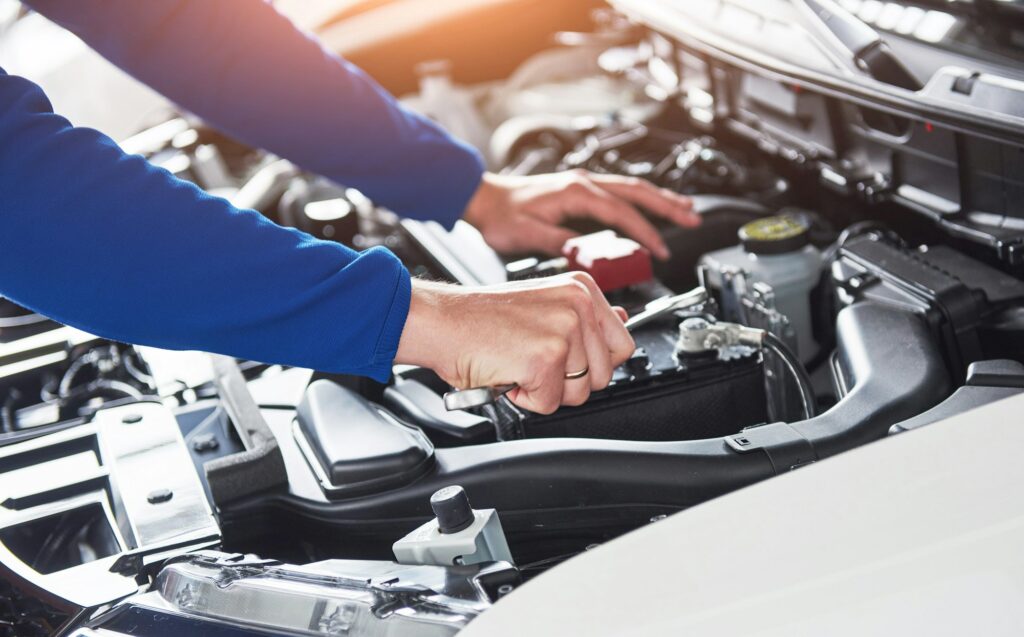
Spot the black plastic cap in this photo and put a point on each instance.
(775, 235)
(452, 508)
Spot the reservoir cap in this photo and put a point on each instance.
(775, 235)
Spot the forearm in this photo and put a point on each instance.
(106, 242)
(244, 68)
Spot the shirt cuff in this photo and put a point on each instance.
(391, 332)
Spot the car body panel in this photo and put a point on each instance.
(915, 534)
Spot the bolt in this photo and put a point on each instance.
(205, 442)
(505, 589)
(695, 324)
(159, 496)
(713, 341)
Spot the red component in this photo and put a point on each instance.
(613, 261)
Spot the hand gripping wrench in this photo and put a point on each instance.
(480, 396)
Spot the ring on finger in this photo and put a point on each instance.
(575, 375)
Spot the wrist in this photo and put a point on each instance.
(483, 202)
(420, 343)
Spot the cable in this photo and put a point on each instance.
(857, 229)
(803, 381)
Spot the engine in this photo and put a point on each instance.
(830, 307)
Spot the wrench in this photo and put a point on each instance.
(480, 396)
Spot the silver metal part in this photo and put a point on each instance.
(666, 305)
(39, 350)
(334, 597)
(480, 396)
(125, 476)
(266, 185)
(475, 397)
(772, 292)
(697, 335)
(749, 301)
(482, 541)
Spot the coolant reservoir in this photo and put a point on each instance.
(776, 251)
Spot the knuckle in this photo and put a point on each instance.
(581, 277)
(563, 323)
(577, 188)
(576, 292)
(540, 361)
(569, 323)
(555, 351)
(579, 288)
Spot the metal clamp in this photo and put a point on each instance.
(698, 335)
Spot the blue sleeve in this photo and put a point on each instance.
(108, 243)
(248, 71)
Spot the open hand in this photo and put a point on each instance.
(524, 214)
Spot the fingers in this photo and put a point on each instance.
(599, 359)
(590, 200)
(531, 333)
(547, 238)
(540, 390)
(585, 334)
(576, 391)
(616, 338)
(660, 201)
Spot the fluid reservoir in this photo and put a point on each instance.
(776, 251)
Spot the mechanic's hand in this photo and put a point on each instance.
(531, 333)
(523, 214)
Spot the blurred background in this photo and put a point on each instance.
(389, 39)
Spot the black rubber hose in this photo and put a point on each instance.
(582, 483)
(796, 370)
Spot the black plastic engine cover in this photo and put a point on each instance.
(952, 292)
(358, 446)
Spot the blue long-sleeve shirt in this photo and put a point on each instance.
(108, 243)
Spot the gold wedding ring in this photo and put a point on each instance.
(580, 374)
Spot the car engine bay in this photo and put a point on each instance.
(857, 274)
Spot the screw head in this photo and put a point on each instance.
(159, 496)
(713, 341)
(205, 442)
